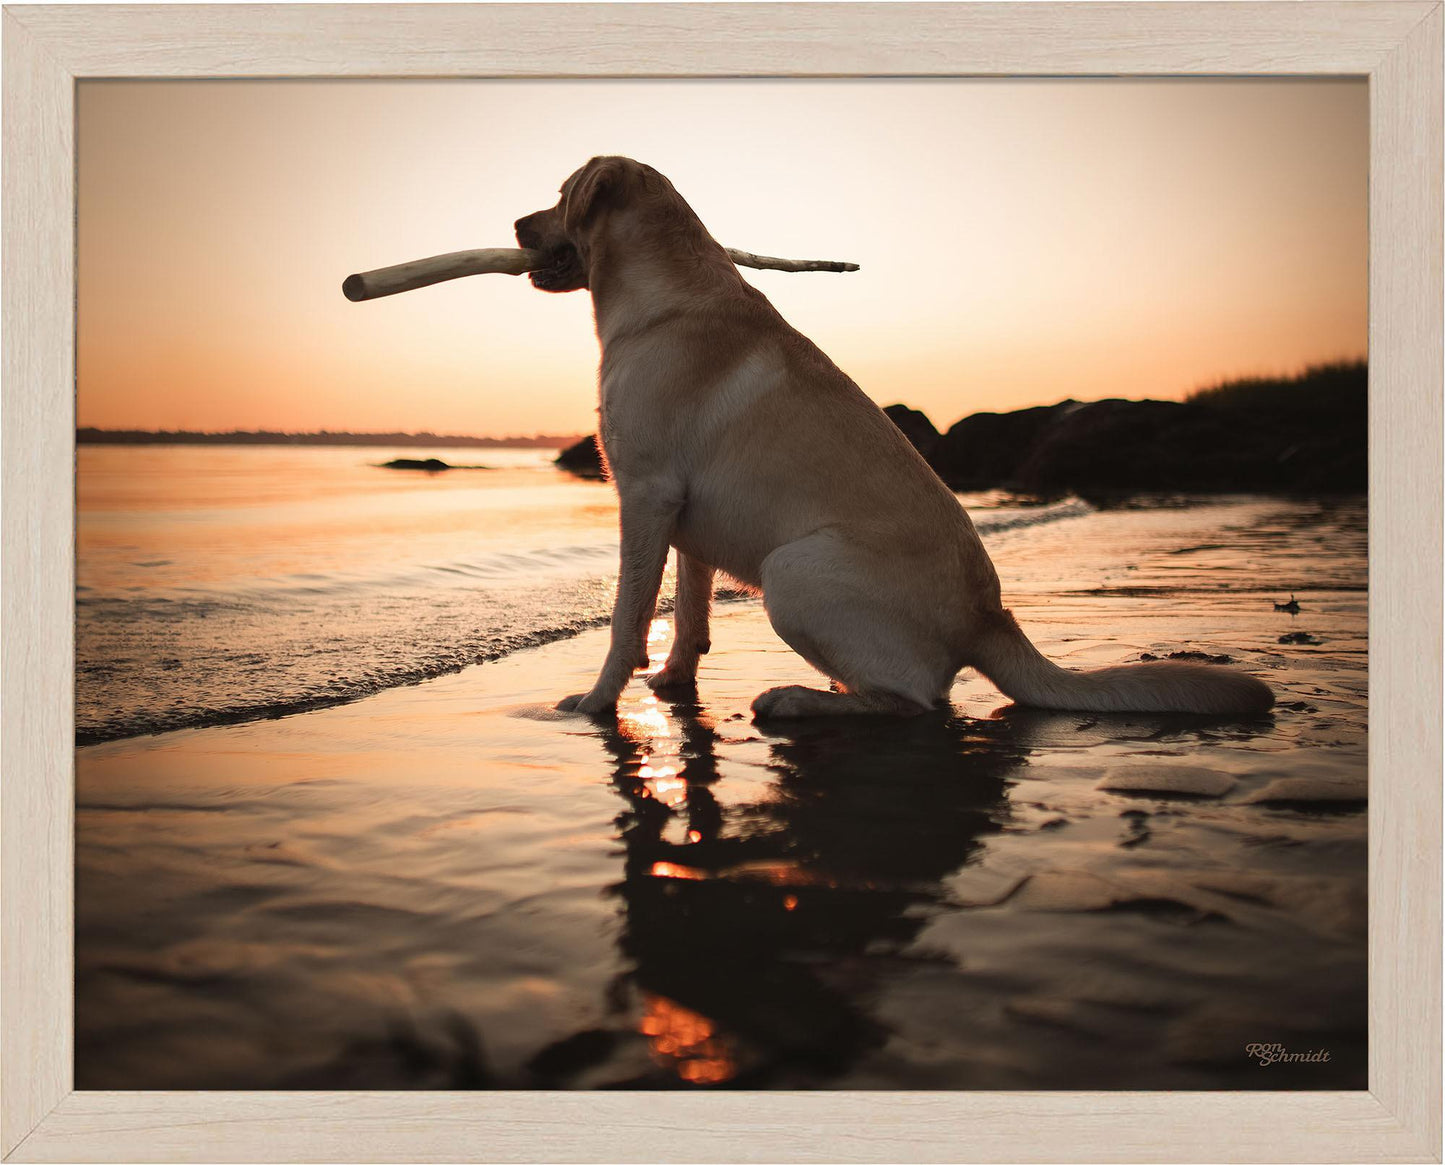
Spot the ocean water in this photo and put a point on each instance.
(230, 583)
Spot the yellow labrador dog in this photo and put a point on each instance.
(731, 437)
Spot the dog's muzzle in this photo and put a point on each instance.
(563, 271)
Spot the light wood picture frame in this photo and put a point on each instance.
(47, 49)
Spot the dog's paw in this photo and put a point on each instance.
(587, 703)
(674, 675)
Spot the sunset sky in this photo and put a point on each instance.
(1020, 241)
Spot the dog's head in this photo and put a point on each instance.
(566, 233)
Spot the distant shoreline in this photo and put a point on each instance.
(93, 436)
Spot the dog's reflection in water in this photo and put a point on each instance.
(756, 926)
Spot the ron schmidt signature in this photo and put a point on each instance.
(1268, 1054)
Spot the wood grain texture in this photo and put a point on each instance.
(1405, 555)
(37, 451)
(722, 1127)
(46, 48)
(671, 40)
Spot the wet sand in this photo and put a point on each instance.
(451, 886)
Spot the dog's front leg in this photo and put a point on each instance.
(648, 512)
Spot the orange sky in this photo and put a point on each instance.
(1021, 241)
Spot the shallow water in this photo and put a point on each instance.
(448, 885)
(219, 584)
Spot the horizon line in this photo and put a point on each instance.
(91, 432)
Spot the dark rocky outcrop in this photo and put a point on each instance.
(1302, 434)
(985, 449)
(584, 459)
(429, 464)
(915, 426)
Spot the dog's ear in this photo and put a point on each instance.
(594, 182)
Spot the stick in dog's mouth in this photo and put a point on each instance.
(514, 261)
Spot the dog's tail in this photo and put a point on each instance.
(1003, 653)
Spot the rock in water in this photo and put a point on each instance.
(430, 464)
(584, 459)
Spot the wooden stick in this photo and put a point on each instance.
(768, 263)
(438, 269)
(511, 261)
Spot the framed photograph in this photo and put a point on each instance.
(960, 679)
